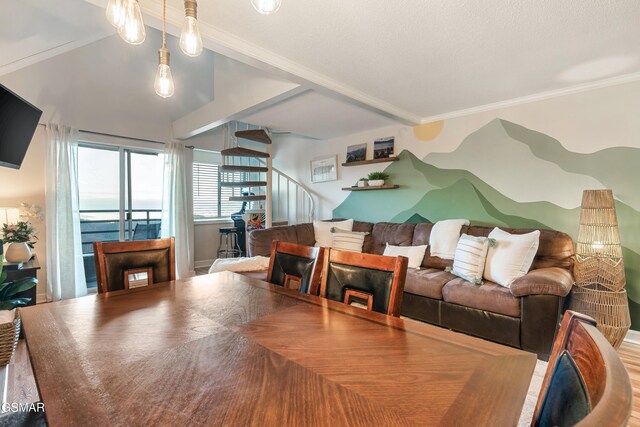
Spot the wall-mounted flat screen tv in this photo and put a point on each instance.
(18, 122)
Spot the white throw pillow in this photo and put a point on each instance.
(414, 253)
(444, 237)
(322, 230)
(511, 256)
(470, 257)
(347, 240)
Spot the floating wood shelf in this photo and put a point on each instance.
(258, 135)
(247, 198)
(244, 184)
(244, 152)
(235, 168)
(382, 187)
(372, 161)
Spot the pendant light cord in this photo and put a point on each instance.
(164, 25)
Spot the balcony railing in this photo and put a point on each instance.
(104, 226)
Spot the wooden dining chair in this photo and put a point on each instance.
(586, 383)
(121, 265)
(295, 266)
(375, 280)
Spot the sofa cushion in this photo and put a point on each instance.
(427, 283)
(305, 234)
(421, 235)
(365, 227)
(259, 274)
(260, 240)
(488, 296)
(555, 248)
(392, 233)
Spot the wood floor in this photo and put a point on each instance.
(21, 385)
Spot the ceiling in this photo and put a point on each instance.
(364, 64)
(435, 57)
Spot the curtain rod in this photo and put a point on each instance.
(121, 136)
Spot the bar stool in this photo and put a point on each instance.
(229, 247)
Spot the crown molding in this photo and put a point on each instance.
(612, 81)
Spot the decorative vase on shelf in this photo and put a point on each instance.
(362, 183)
(376, 182)
(18, 252)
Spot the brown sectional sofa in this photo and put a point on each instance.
(525, 316)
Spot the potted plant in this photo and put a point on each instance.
(376, 179)
(362, 182)
(9, 322)
(21, 238)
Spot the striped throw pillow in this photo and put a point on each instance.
(345, 240)
(470, 256)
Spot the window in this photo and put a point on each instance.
(120, 195)
(210, 200)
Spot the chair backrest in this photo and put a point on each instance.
(586, 383)
(376, 280)
(146, 231)
(116, 261)
(295, 266)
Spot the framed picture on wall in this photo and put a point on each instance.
(383, 147)
(324, 169)
(356, 153)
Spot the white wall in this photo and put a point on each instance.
(27, 185)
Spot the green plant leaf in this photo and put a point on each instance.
(13, 303)
(17, 286)
(3, 276)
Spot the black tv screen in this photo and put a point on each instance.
(18, 122)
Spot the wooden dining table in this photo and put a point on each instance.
(225, 349)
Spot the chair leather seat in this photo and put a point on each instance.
(489, 297)
(427, 282)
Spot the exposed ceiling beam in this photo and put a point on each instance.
(49, 53)
(236, 48)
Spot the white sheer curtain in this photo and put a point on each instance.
(65, 267)
(177, 215)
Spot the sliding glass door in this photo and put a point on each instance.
(120, 194)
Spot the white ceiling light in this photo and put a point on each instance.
(190, 39)
(266, 7)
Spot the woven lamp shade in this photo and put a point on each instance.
(599, 267)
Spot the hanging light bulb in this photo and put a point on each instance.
(190, 39)
(163, 84)
(132, 27)
(115, 12)
(266, 7)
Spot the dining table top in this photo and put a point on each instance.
(226, 349)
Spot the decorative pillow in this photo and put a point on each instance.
(471, 254)
(444, 237)
(414, 253)
(322, 230)
(347, 240)
(511, 257)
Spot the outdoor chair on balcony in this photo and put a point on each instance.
(146, 232)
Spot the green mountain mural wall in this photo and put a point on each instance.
(431, 193)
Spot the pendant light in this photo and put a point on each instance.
(190, 39)
(163, 84)
(132, 27)
(115, 12)
(266, 7)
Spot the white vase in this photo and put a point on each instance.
(376, 182)
(362, 183)
(18, 252)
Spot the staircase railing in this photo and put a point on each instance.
(292, 202)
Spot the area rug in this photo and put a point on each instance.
(532, 394)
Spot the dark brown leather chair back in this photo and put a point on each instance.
(295, 266)
(116, 260)
(375, 279)
(586, 383)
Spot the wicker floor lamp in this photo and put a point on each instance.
(599, 268)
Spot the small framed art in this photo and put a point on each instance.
(324, 169)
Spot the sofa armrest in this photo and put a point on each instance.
(543, 281)
(259, 241)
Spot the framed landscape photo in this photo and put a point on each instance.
(356, 153)
(324, 169)
(383, 147)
